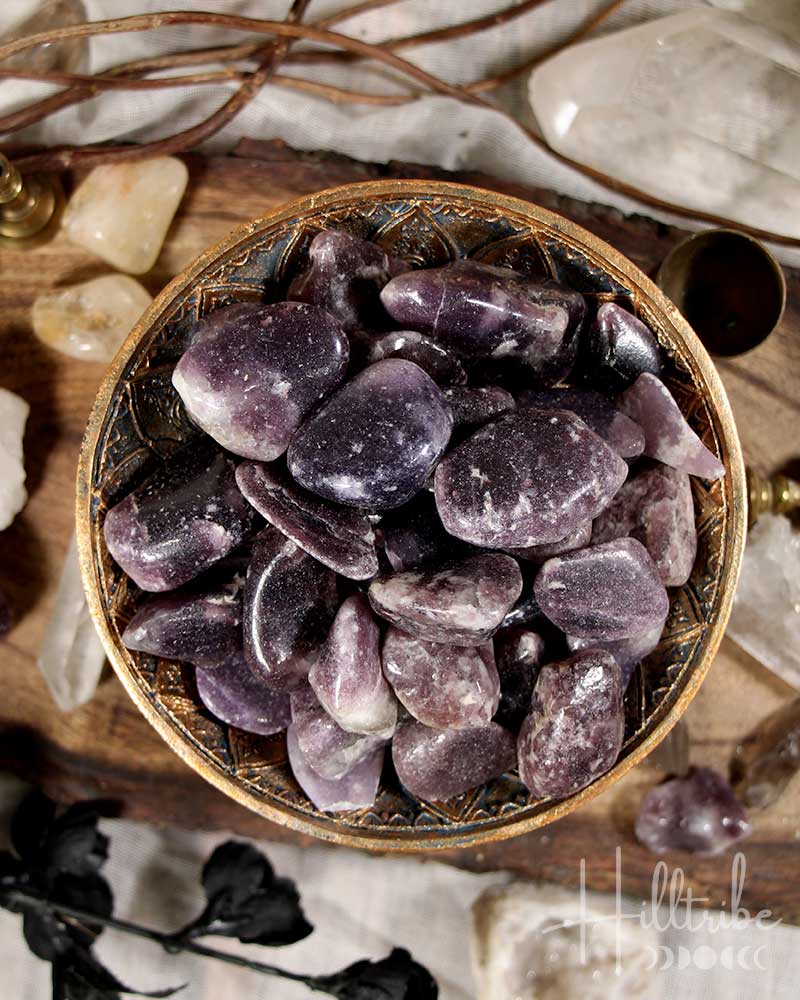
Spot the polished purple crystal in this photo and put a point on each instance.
(328, 749)
(618, 348)
(413, 534)
(628, 652)
(518, 654)
(473, 406)
(442, 366)
(355, 790)
(609, 591)
(252, 384)
(447, 687)
(530, 478)
(221, 320)
(185, 517)
(462, 602)
(698, 813)
(655, 507)
(233, 693)
(596, 411)
(376, 441)
(668, 438)
(290, 601)
(339, 537)
(577, 539)
(437, 764)
(574, 731)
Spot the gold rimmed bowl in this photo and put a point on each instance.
(139, 421)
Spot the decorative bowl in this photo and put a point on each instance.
(138, 420)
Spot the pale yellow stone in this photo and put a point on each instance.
(90, 320)
(122, 211)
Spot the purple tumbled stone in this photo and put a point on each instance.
(355, 790)
(596, 411)
(473, 406)
(609, 591)
(668, 438)
(530, 478)
(461, 602)
(339, 537)
(442, 366)
(628, 652)
(184, 518)
(233, 693)
(290, 601)
(252, 384)
(344, 275)
(220, 320)
(576, 539)
(518, 654)
(328, 749)
(437, 764)
(698, 813)
(413, 534)
(376, 441)
(574, 731)
(655, 507)
(447, 687)
(618, 348)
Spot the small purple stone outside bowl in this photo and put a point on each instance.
(138, 420)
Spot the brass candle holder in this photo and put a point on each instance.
(771, 495)
(29, 206)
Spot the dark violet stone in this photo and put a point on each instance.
(698, 813)
(461, 602)
(185, 517)
(628, 652)
(526, 610)
(576, 539)
(609, 591)
(6, 615)
(447, 687)
(618, 348)
(436, 764)
(596, 411)
(442, 366)
(413, 534)
(530, 478)
(574, 731)
(251, 386)
(344, 276)
(233, 693)
(328, 749)
(339, 537)
(222, 320)
(290, 601)
(518, 654)
(768, 757)
(492, 313)
(355, 790)
(473, 406)
(656, 508)
(376, 441)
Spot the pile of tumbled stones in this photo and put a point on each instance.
(463, 560)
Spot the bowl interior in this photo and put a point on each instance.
(139, 421)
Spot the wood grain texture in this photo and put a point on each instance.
(106, 748)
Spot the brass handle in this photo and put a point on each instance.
(770, 495)
(27, 204)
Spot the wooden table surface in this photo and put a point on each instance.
(107, 749)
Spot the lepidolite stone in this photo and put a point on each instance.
(442, 366)
(526, 610)
(348, 679)
(220, 320)
(668, 438)
(473, 406)
(328, 749)
(518, 654)
(574, 731)
(596, 411)
(655, 508)
(413, 534)
(446, 687)
(437, 764)
(184, 518)
(376, 441)
(251, 385)
(339, 537)
(619, 348)
(628, 653)
(461, 602)
(576, 539)
(233, 693)
(698, 813)
(290, 601)
(344, 276)
(528, 479)
(609, 591)
(355, 790)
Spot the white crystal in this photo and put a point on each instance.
(699, 109)
(765, 620)
(122, 211)
(13, 414)
(90, 320)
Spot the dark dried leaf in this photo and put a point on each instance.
(397, 977)
(80, 976)
(91, 893)
(74, 844)
(30, 825)
(236, 869)
(11, 871)
(46, 934)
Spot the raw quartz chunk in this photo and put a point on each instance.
(184, 518)
(252, 384)
(576, 539)
(355, 790)
(462, 602)
(610, 591)
(574, 731)
(344, 276)
(348, 679)
(628, 652)
(375, 442)
(413, 535)
(436, 764)
(328, 749)
(518, 654)
(528, 479)
(698, 813)
(233, 693)
(472, 406)
(339, 537)
(13, 416)
(656, 508)
(442, 366)
(494, 314)
(619, 348)
(290, 601)
(668, 438)
(446, 687)
(768, 758)
(595, 410)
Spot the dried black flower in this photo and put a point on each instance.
(397, 977)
